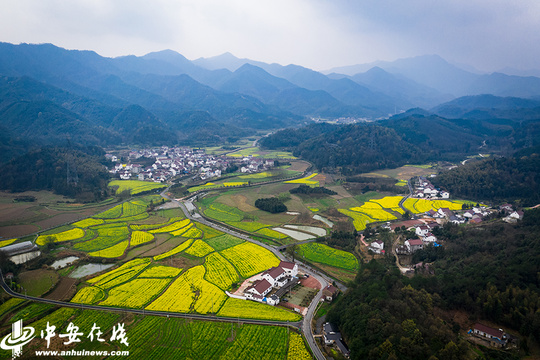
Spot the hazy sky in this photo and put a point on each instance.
(320, 34)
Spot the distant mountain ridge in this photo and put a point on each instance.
(162, 97)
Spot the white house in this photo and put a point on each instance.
(290, 268)
(429, 238)
(414, 244)
(445, 194)
(422, 230)
(275, 276)
(377, 246)
(259, 287)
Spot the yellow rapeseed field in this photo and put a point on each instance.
(111, 252)
(250, 259)
(297, 348)
(67, 235)
(199, 249)
(140, 237)
(183, 246)
(254, 310)
(190, 293)
(135, 293)
(219, 271)
(88, 295)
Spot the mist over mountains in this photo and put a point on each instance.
(51, 95)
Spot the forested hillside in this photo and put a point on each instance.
(74, 172)
(514, 179)
(490, 271)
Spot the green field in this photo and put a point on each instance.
(151, 337)
(324, 254)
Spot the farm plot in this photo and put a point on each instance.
(67, 235)
(390, 202)
(107, 236)
(160, 271)
(251, 226)
(223, 242)
(88, 295)
(199, 249)
(146, 227)
(419, 206)
(305, 180)
(111, 252)
(222, 212)
(130, 209)
(120, 275)
(272, 338)
(112, 213)
(140, 237)
(183, 246)
(135, 293)
(7, 242)
(271, 233)
(250, 259)
(134, 186)
(297, 348)
(88, 222)
(219, 271)
(172, 227)
(254, 310)
(193, 232)
(182, 231)
(190, 293)
(324, 254)
(374, 211)
(359, 219)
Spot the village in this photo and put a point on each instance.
(423, 224)
(170, 162)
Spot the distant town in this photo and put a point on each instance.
(164, 163)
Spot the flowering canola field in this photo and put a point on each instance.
(250, 259)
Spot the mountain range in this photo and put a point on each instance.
(50, 94)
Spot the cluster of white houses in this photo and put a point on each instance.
(425, 189)
(280, 278)
(172, 161)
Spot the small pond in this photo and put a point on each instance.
(58, 264)
(88, 269)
